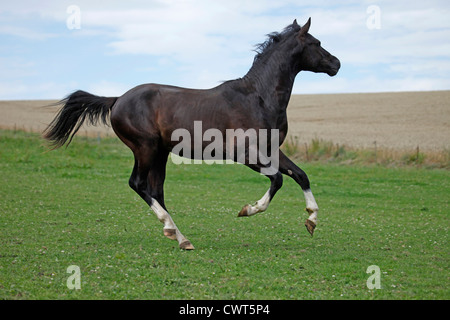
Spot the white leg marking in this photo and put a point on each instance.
(162, 215)
(261, 205)
(311, 206)
(165, 218)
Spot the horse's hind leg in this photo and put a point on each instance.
(170, 229)
(147, 180)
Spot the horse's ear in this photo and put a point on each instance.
(304, 30)
(295, 24)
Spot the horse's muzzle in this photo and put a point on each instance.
(333, 66)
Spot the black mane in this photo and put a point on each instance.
(274, 38)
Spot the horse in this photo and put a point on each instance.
(146, 117)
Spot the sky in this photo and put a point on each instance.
(49, 49)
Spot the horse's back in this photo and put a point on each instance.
(155, 110)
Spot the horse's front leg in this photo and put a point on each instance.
(276, 181)
(287, 167)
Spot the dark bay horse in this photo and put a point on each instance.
(146, 117)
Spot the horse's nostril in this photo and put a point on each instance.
(337, 63)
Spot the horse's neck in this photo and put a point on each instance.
(273, 79)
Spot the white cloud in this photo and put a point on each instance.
(209, 41)
(25, 33)
(369, 84)
(108, 88)
(19, 90)
(183, 28)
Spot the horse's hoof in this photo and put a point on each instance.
(171, 234)
(244, 211)
(186, 245)
(310, 226)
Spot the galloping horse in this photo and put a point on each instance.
(146, 117)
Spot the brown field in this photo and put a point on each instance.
(397, 121)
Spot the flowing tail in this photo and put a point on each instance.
(77, 107)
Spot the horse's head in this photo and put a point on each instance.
(310, 56)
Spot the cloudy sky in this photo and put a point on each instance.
(51, 48)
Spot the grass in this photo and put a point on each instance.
(74, 207)
(323, 151)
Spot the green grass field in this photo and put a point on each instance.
(74, 207)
